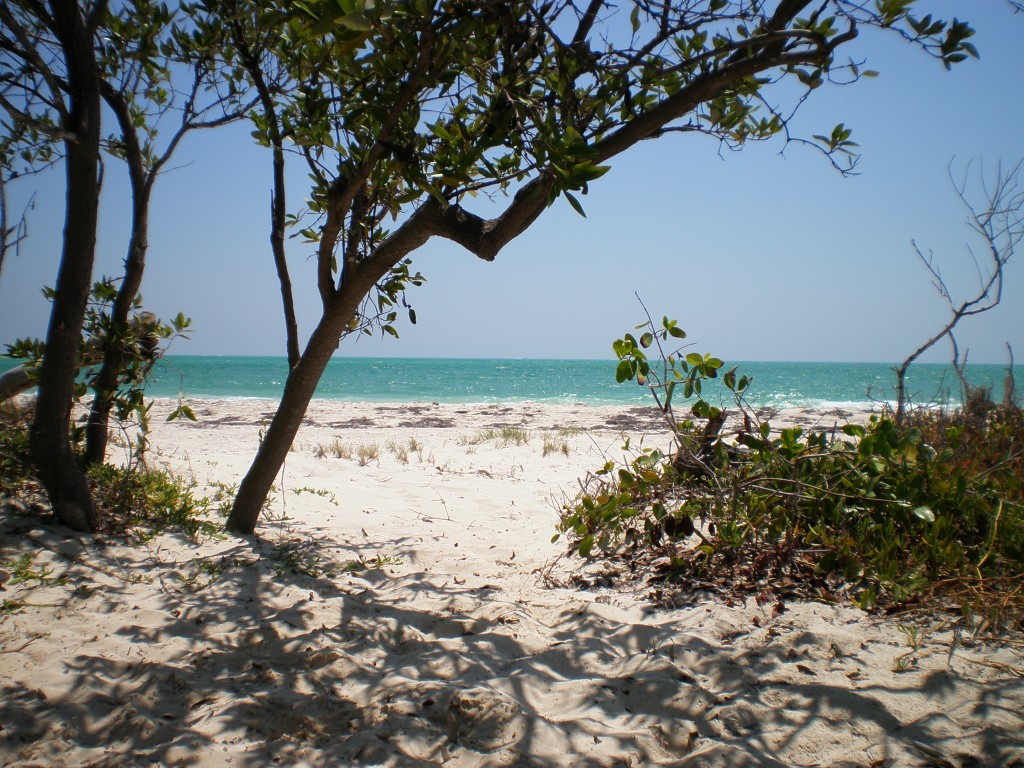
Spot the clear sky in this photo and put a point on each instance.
(759, 255)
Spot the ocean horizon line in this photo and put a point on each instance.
(610, 359)
(7, 361)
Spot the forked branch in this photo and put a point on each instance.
(999, 221)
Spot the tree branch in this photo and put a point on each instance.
(1001, 225)
(30, 55)
(586, 23)
(50, 130)
(700, 89)
(340, 197)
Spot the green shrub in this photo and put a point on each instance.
(138, 503)
(15, 463)
(134, 502)
(874, 513)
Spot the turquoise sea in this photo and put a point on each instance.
(589, 382)
(585, 382)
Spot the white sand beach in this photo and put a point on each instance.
(399, 608)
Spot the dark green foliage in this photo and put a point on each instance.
(875, 513)
(142, 340)
(133, 502)
(15, 462)
(137, 503)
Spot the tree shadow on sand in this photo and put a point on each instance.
(312, 660)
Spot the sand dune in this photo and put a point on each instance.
(400, 612)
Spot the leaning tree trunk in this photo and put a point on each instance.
(340, 305)
(15, 381)
(50, 440)
(298, 391)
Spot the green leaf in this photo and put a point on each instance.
(439, 130)
(587, 171)
(575, 204)
(925, 514)
(624, 371)
(586, 545)
(182, 411)
(355, 21)
(646, 340)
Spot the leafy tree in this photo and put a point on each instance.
(144, 50)
(62, 61)
(404, 112)
(52, 85)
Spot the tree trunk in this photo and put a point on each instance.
(114, 355)
(14, 382)
(277, 218)
(901, 391)
(50, 440)
(298, 391)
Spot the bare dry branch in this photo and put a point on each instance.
(998, 219)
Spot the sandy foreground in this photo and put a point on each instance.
(397, 609)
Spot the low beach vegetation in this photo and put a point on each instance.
(301, 556)
(134, 501)
(399, 451)
(555, 444)
(410, 448)
(928, 512)
(336, 449)
(372, 564)
(221, 497)
(212, 568)
(323, 493)
(23, 570)
(362, 454)
(506, 435)
(139, 502)
(15, 461)
(367, 452)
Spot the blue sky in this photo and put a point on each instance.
(760, 255)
